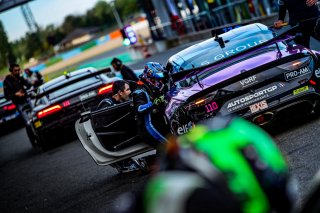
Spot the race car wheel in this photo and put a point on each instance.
(317, 108)
(44, 142)
(31, 136)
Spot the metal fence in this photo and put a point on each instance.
(234, 12)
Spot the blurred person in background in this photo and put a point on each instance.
(126, 72)
(35, 79)
(15, 89)
(225, 164)
(306, 14)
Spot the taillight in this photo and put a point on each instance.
(312, 82)
(49, 111)
(105, 89)
(9, 107)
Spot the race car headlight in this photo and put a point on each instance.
(296, 64)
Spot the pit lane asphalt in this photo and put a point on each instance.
(66, 179)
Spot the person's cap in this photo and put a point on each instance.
(116, 61)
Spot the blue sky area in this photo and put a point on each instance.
(45, 12)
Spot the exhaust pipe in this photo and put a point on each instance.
(263, 119)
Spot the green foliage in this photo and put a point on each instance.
(53, 35)
(126, 7)
(3, 72)
(33, 45)
(6, 53)
(71, 23)
(100, 15)
(40, 44)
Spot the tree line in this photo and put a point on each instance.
(40, 44)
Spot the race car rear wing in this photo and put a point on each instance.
(284, 36)
(92, 74)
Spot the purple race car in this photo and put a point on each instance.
(249, 71)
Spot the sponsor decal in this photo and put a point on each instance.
(184, 128)
(158, 100)
(249, 99)
(238, 49)
(87, 95)
(317, 73)
(300, 90)
(248, 81)
(296, 73)
(10, 117)
(258, 106)
(37, 124)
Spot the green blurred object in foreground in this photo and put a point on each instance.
(225, 148)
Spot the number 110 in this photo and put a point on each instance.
(211, 107)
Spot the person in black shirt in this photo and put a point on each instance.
(306, 14)
(126, 72)
(14, 87)
(121, 93)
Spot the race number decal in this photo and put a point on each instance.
(259, 106)
(211, 107)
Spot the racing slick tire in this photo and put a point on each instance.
(31, 137)
(45, 143)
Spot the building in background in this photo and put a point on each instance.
(171, 18)
(78, 37)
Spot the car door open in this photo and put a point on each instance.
(110, 135)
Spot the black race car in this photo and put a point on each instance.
(59, 103)
(9, 116)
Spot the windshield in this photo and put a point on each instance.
(74, 87)
(209, 51)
